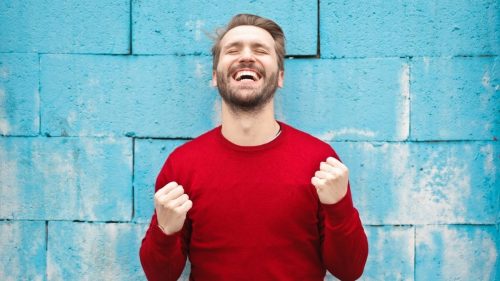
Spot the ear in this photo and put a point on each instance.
(281, 78)
(214, 78)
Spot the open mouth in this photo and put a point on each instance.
(246, 75)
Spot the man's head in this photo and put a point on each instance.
(248, 62)
(247, 19)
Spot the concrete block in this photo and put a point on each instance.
(149, 157)
(65, 26)
(160, 96)
(348, 99)
(23, 250)
(458, 252)
(423, 183)
(183, 27)
(94, 251)
(408, 28)
(455, 99)
(19, 98)
(66, 179)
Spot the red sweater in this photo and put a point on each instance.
(255, 214)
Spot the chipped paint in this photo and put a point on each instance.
(9, 181)
(459, 251)
(333, 134)
(403, 112)
(216, 112)
(4, 72)
(197, 26)
(4, 122)
(442, 188)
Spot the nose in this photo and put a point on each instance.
(247, 55)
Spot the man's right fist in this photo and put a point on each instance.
(172, 205)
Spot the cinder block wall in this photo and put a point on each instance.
(95, 94)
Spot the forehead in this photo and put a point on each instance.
(247, 34)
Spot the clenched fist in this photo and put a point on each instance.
(331, 181)
(172, 205)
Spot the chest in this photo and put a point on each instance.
(245, 195)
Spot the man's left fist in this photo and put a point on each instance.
(331, 181)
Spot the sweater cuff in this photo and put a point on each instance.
(337, 213)
(163, 240)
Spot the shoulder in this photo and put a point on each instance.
(194, 147)
(305, 140)
(308, 146)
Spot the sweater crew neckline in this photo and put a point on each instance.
(274, 142)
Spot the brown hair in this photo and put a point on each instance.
(247, 19)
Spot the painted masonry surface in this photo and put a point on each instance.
(94, 95)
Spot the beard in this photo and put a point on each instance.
(252, 101)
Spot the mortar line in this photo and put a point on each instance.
(131, 25)
(46, 249)
(318, 37)
(133, 175)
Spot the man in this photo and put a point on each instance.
(253, 199)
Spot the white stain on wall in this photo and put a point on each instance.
(343, 132)
(442, 189)
(9, 183)
(112, 266)
(200, 70)
(426, 61)
(53, 270)
(216, 113)
(394, 265)
(403, 176)
(4, 123)
(488, 164)
(433, 191)
(11, 233)
(4, 72)
(195, 26)
(36, 119)
(465, 254)
(403, 111)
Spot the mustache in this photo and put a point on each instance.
(260, 70)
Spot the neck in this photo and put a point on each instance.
(249, 129)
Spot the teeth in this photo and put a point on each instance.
(242, 73)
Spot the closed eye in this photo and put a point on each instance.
(231, 51)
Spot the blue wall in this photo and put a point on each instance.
(94, 95)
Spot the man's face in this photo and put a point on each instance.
(247, 74)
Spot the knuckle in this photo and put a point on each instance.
(169, 205)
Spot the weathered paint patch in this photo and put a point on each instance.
(423, 183)
(66, 178)
(403, 114)
(94, 251)
(19, 98)
(456, 252)
(337, 98)
(185, 27)
(453, 99)
(65, 26)
(150, 155)
(135, 94)
(415, 28)
(23, 250)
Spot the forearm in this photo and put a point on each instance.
(345, 245)
(162, 256)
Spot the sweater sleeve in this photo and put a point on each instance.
(162, 256)
(344, 242)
